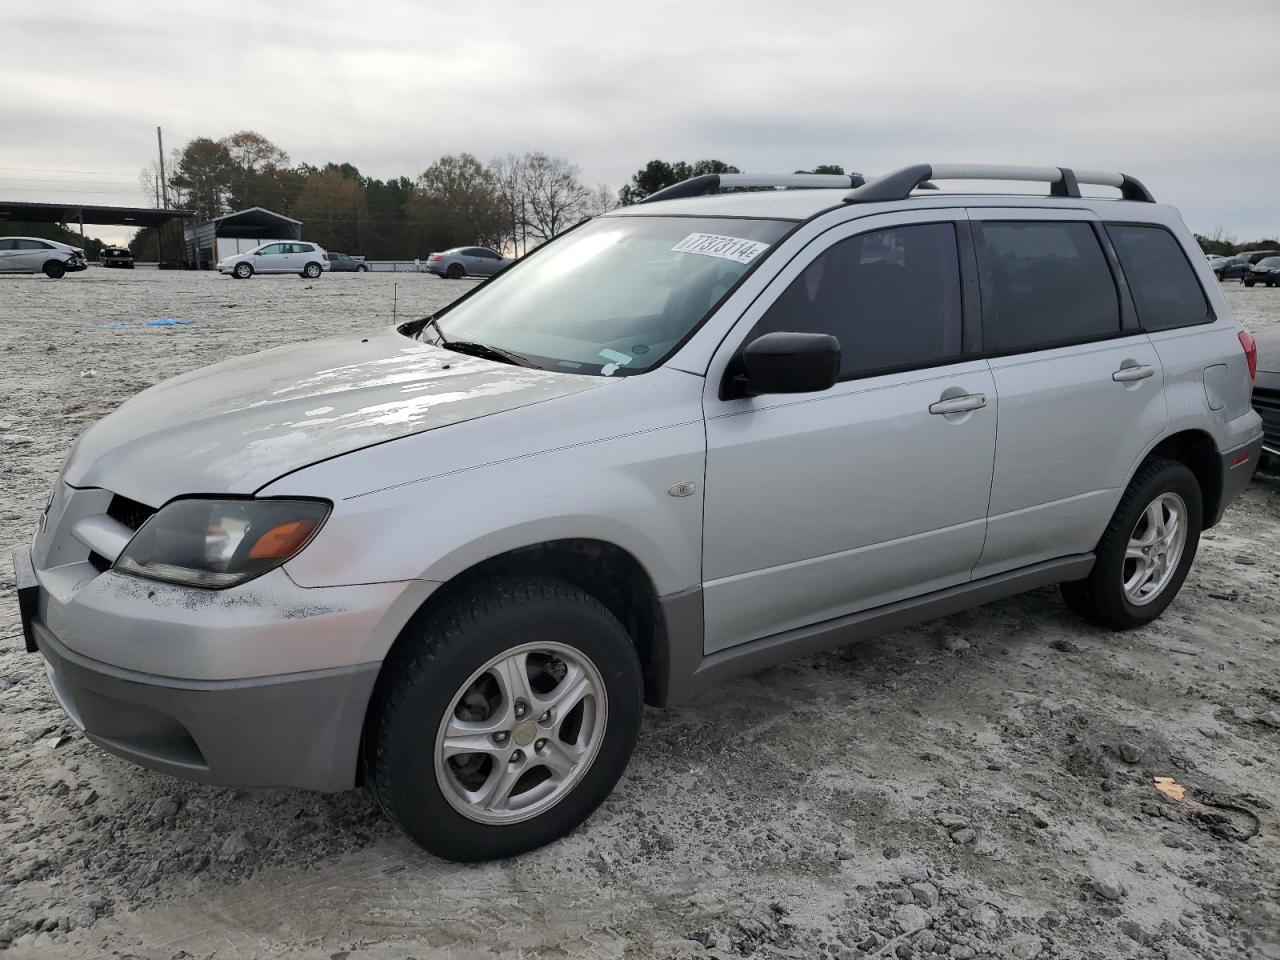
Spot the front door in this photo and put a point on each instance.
(1080, 386)
(271, 259)
(820, 505)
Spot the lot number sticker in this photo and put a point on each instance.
(726, 248)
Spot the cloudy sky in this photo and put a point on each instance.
(1184, 95)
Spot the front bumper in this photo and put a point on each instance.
(244, 688)
(72, 266)
(297, 730)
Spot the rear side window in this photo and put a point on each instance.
(891, 297)
(1044, 284)
(1164, 287)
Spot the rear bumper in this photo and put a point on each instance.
(297, 730)
(1238, 467)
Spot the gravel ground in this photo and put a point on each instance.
(979, 786)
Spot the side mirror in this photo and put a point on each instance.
(786, 362)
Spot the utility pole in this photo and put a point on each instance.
(164, 187)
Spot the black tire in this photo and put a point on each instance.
(1218, 274)
(55, 269)
(362, 269)
(1100, 597)
(312, 271)
(456, 271)
(424, 677)
(1247, 283)
(242, 271)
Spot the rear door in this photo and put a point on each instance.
(1080, 386)
(821, 505)
(8, 254)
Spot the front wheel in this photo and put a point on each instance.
(311, 271)
(504, 719)
(1146, 551)
(55, 270)
(362, 269)
(242, 271)
(1248, 283)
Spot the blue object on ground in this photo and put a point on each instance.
(169, 322)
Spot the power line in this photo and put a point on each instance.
(103, 173)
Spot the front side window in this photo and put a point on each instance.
(614, 296)
(1165, 289)
(891, 297)
(1044, 284)
(272, 248)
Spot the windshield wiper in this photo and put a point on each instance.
(471, 348)
(433, 322)
(484, 350)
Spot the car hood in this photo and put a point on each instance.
(238, 425)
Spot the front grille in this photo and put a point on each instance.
(1267, 403)
(129, 512)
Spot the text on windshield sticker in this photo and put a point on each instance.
(726, 248)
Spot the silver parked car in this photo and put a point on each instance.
(37, 255)
(467, 262)
(685, 440)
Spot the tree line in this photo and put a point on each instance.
(512, 202)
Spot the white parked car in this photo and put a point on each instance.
(36, 255)
(279, 256)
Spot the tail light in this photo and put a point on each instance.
(434, 256)
(325, 255)
(1250, 353)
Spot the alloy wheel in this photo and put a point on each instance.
(521, 733)
(1155, 548)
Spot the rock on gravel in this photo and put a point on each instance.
(910, 918)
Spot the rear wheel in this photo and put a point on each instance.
(456, 271)
(1146, 551)
(311, 271)
(242, 271)
(504, 719)
(55, 269)
(362, 269)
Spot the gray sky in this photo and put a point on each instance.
(1184, 95)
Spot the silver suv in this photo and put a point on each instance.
(684, 440)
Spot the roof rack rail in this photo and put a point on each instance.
(1063, 181)
(711, 182)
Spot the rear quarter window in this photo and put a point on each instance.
(1044, 284)
(1164, 286)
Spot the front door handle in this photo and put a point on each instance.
(972, 401)
(1139, 371)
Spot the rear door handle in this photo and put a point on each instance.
(973, 401)
(1139, 371)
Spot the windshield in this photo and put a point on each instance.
(614, 296)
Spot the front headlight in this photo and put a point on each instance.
(220, 543)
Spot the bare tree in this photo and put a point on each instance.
(554, 197)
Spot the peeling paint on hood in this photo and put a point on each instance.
(237, 425)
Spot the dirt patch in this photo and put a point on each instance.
(978, 786)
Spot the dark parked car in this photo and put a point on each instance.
(1237, 266)
(1266, 395)
(345, 263)
(116, 257)
(1266, 270)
